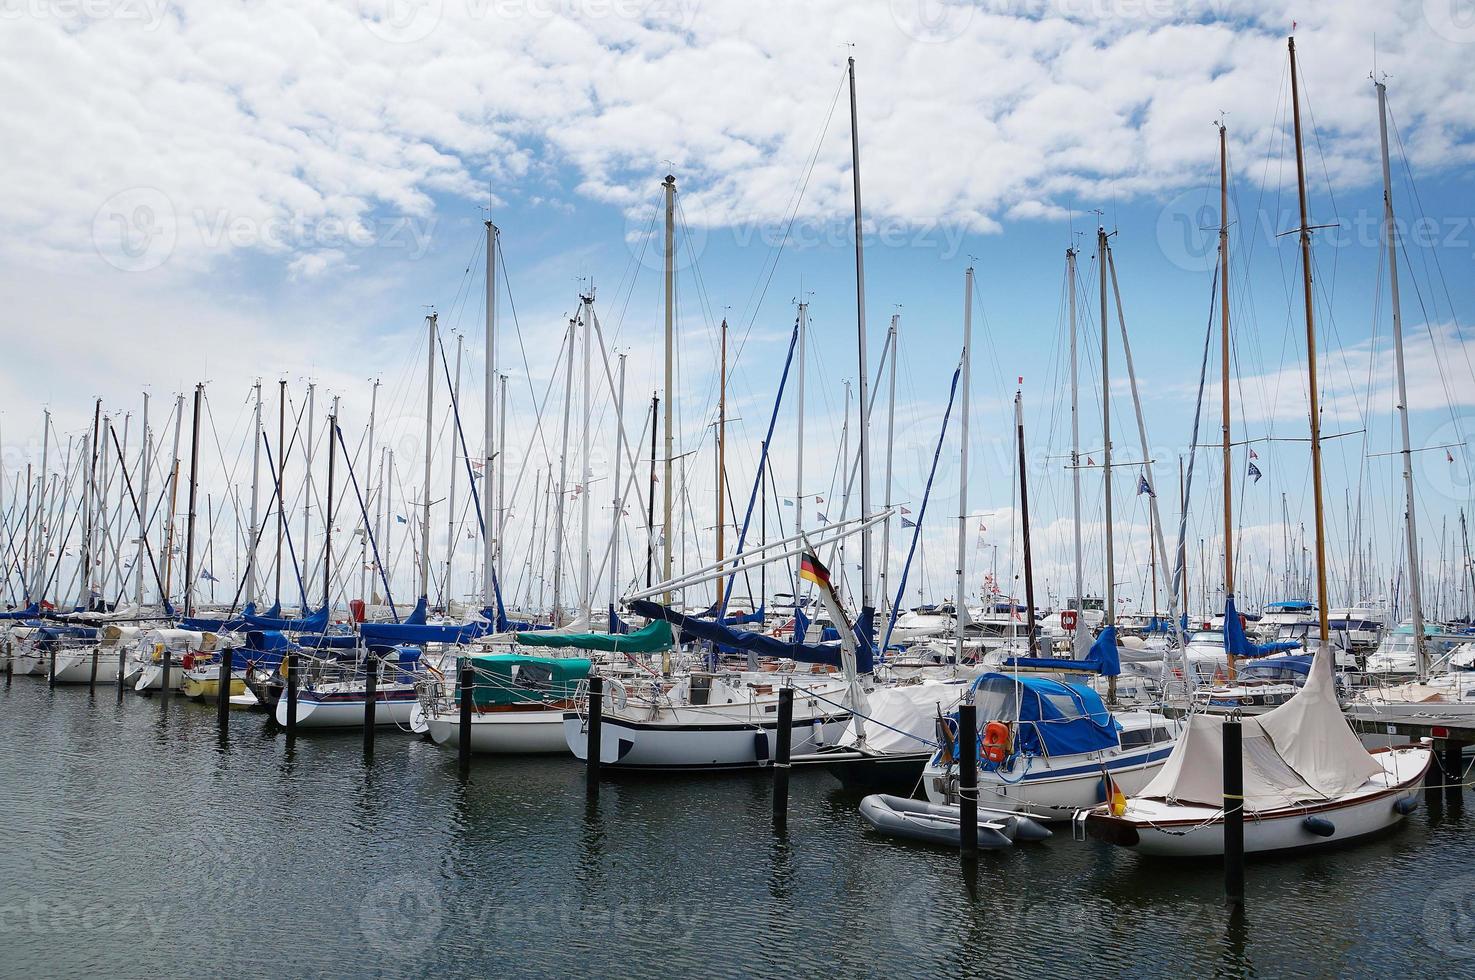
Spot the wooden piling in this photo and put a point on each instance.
(1234, 815)
(594, 744)
(463, 729)
(968, 779)
(371, 697)
(781, 755)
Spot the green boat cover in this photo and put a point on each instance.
(652, 638)
(510, 679)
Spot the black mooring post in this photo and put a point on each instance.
(51, 665)
(463, 730)
(968, 779)
(1234, 816)
(781, 755)
(122, 668)
(291, 694)
(371, 696)
(92, 677)
(222, 692)
(594, 744)
(1454, 770)
(164, 684)
(10, 662)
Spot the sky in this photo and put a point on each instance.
(231, 192)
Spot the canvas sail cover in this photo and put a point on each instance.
(1298, 752)
(651, 638)
(904, 719)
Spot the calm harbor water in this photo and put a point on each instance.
(138, 845)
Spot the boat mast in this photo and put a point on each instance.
(174, 505)
(250, 590)
(307, 482)
(194, 482)
(1390, 238)
(619, 497)
(489, 543)
(1110, 612)
(568, 393)
(281, 469)
(1229, 657)
(799, 425)
(1079, 634)
(650, 497)
(328, 515)
(144, 465)
(1305, 235)
(451, 460)
(862, 380)
(670, 382)
(586, 597)
(371, 491)
(1029, 571)
(960, 605)
(430, 327)
(891, 343)
(721, 461)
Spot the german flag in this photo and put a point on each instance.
(811, 569)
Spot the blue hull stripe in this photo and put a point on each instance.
(1120, 762)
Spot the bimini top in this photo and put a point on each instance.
(1049, 717)
(1277, 668)
(512, 679)
(1292, 605)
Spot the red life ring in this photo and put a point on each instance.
(995, 741)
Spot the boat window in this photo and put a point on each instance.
(535, 677)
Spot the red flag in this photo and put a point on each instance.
(1254, 455)
(1090, 461)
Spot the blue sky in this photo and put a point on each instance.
(317, 180)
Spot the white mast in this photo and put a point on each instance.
(890, 439)
(1390, 238)
(488, 542)
(1110, 611)
(501, 470)
(799, 424)
(255, 494)
(39, 544)
(370, 491)
(1080, 634)
(670, 390)
(307, 487)
(453, 458)
(619, 497)
(586, 595)
(568, 390)
(960, 604)
(429, 432)
(860, 326)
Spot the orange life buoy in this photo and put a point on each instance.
(995, 741)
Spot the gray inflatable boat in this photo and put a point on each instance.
(935, 823)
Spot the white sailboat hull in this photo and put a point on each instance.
(391, 708)
(75, 667)
(504, 732)
(698, 741)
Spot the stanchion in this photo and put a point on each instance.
(291, 695)
(463, 730)
(1234, 816)
(968, 779)
(596, 732)
(781, 755)
(371, 697)
(222, 691)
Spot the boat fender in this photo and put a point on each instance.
(760, 746)
(1320, 826)
(995, 741)
(1406, 805)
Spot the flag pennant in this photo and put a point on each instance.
(1144, 487)
(1449, 457)
(1254, 455)
(822, 518)
(1090, 461)
(1255, 473)
(907, 523)
(818, 499)
(788, 503)
(812, 570)
(400, 520)
(905, 509)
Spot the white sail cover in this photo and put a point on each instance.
(897, 714)
(1299, 752)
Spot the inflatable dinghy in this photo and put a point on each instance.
(935, 823)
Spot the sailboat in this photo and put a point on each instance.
(1308, 780)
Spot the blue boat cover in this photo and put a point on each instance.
(30, 612)
(265, 648)
(1277, 667)
(313, 623)
(1236, 644)
(721, 635)
(1102, 658)
(1049, 717)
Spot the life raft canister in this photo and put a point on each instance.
(995, 741)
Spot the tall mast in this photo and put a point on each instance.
(650, 498)
(1079, 634)
(307, 448)
(1224, 378)
(145, 463)
(451, 460)
(255, 493)
(328, 513)
(1110, 612)
(562, 490)
(371, 489)
(586, 596)
(960, 603)
(670, 381)
(1410, 530)
(721, 460)
(1029, 570)
(799, 426)
(489, 543)
(619, 497)
(430, 327)
(189, 528)
(891, 343)
(501, 470)
(174, 505)
(40, 538)
(862, 380)
(281, 469)
(1305, 233)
